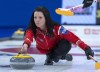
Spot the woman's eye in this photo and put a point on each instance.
(34, 17)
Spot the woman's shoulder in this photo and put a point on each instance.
(57, 27)
(29, 30)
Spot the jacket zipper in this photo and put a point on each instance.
(46, 42)
(45, 39)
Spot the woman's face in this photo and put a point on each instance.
(39, 19)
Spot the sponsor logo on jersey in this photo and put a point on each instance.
(63, 30)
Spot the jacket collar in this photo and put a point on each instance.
(39, 30)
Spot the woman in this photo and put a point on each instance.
(51, 38)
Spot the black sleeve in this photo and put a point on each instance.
(87, 3)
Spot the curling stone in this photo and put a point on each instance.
(22, 61)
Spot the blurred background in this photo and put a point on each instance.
(15, 16)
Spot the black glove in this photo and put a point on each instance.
(88, 52)
(87, 3)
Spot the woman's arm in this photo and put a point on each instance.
(28, 37)
(65, 34)
(27, 41)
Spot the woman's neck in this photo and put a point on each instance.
(43, 28)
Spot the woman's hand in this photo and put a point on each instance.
(24, 49)
(88, 52)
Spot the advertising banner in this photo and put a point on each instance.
(89, 34)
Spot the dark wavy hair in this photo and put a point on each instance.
(49, 22)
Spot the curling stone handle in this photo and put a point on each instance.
(92, 58)
(19, 53)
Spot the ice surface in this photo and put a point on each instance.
(79, 64)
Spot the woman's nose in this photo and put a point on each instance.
(37, 19)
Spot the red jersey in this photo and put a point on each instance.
(44, 42)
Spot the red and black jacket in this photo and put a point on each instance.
(45, 43)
